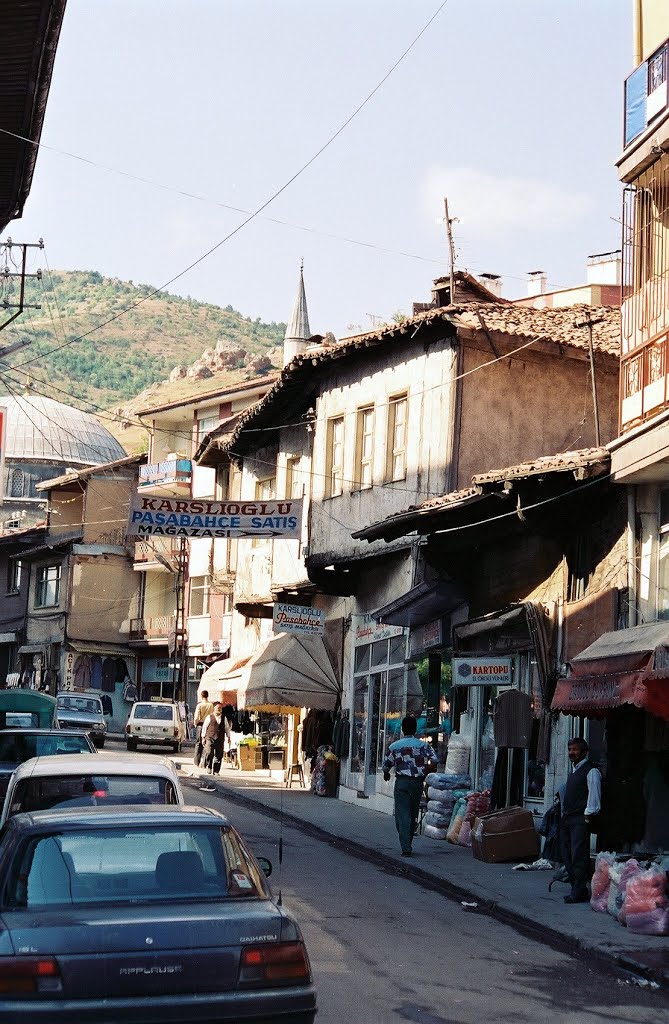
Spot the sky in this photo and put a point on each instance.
(512, 109)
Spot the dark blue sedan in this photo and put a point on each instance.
(143, 914)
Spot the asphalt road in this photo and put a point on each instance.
(384, 950)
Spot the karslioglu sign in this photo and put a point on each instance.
(294, 618)
(173, 517)
(482, 672)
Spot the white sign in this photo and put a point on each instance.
(175, 517)
(215, 646)
(294, 618)
(368, 630)
(482, 672)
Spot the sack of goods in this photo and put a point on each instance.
(477, 804)
(445, 798)
(432, 832)
(449, 780)
(437, 820)
(601, 881)
(457, 819)
(631, 868)
(457, 758)
(647, 902)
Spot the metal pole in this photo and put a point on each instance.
(590, 323)
(451, 249)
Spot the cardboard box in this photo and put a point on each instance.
(505, 835)
(250, 758)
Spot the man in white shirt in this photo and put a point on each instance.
(581, 803)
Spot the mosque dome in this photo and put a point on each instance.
(39, 428)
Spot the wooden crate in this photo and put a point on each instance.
(250, 758)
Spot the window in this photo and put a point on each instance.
(14, 569)
(396, 462)
(334, 481)
(205, 424)
(47, 590)
(265, 491)
(222, 481)
(294, 478)
(199, 595)
(364, 448)
(16, 483)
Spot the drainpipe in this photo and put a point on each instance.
(631, 559)
(637, 33)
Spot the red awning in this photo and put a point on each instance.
(597, 693)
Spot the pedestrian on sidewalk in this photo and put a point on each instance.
(203, 708)
(413, 759)
(212, 738)
(581, 803)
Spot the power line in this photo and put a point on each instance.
(331, 139)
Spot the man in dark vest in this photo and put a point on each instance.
(581, 803)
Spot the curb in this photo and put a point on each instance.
(623, 965)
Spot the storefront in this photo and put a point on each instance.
(108, 668)
(619, 685)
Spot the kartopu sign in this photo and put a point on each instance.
(482, 672)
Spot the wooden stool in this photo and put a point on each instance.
(296, 767)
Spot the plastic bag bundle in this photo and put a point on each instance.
(457, 758)
(465, 834)
(432, 832)
(437, 820)
(457, 819)
(442, 806)
(647, 903)
(631, 868)
(477, 804)
(448, 780)
(615, 900)
(601, 882)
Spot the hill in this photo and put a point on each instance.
(138, 349)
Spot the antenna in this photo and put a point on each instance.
(449, 221)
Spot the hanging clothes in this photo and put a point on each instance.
(502, 781)
(109, 675)
(512, 719)
(96, 672)
(82, 673)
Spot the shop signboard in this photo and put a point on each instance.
(216, 646)
(482, 671)
(295, 618)
(368, 630)
(425, 637)
(152, 516)
(156, 670)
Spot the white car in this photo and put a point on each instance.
(81, 780)
(156, 723)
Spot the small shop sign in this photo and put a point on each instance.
(295, 618)
(368, 630)
(482, 672)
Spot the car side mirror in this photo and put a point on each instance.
(266, 866)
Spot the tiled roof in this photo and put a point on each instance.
(555, 327)
(586, 462)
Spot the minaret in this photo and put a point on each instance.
(298, 331)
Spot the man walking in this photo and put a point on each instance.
(203, 708)
(412, 760)
(212, 728)
(581, 802)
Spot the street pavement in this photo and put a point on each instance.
(518, 897)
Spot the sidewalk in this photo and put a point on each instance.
(520, 898)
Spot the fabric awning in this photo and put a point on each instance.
(489, 623)
(224, 679)
(110, 650)
(292, 671)
(32, 649)
(626, 666)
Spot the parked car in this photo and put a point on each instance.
(26, 709)
(156, 723)
(82, 711)
(90, 780)
(19, 745)
(161, 916)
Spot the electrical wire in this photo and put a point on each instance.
(275, 195)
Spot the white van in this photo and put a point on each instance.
(82, 780)
(156, 723)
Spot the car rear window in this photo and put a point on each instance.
(139, 864)
(162, 712)
(17, 749)
(42, 793)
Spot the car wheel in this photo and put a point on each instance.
(100, 743)
(131, 745)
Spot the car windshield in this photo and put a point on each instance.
(138, 864)
(90, 705)
(163, 712)
(41, 793)
(15, 749)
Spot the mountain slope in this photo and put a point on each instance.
(139, 348)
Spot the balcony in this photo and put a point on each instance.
(169, 479)
(156, 629)
(160, 554)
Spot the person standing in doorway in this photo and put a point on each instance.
(203, 708)
(413, 759)
(581, 803)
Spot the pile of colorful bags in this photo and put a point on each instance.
(452, 807)
(635, 895)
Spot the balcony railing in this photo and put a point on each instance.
(157, 628)
(157, 552)
(168, 479)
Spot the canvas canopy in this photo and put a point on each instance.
(292, 671)
(224, 679)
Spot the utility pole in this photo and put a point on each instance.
(178, 643)
(590, 323)
(7, 275)
(451, 248)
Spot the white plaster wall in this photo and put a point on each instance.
(426, 377)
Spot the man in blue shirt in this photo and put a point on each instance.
(413, 760)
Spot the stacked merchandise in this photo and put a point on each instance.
(636, 895)
(445, 791)
(477, 804)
